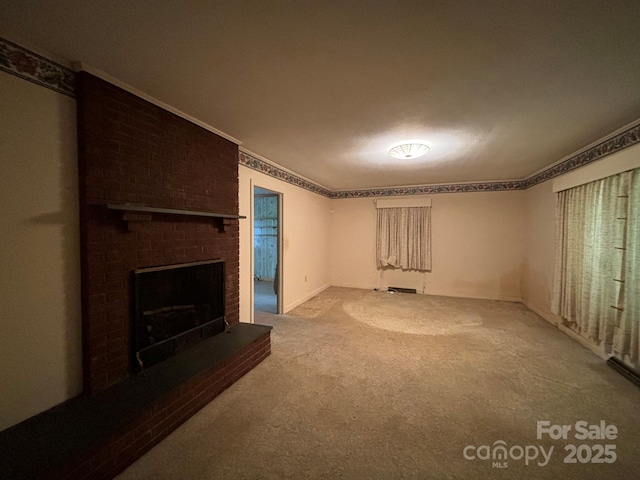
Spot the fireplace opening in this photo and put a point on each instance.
(175, 307)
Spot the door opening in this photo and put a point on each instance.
(267, 276)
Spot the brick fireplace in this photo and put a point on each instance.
(133, 152)
(155, 190)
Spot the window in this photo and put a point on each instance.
(597, 275)
(403, 238)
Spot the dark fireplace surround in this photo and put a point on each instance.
(155, 191)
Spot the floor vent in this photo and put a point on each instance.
(625, 370)
(401, 290)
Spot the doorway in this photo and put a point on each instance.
(266, 250)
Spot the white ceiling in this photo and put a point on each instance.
(501, 88)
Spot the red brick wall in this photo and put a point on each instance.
(107, 460)
(131, 151)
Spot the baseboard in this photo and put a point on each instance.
(549, 317)
(501, 298)
(297, 303)
(355, 285)
(557, 322)
(583, 341)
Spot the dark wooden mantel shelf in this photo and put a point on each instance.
(128, 207)
(140, 213)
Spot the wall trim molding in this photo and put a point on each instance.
(33, 67)
(276, 171)
(615, 142)
(556, 321)
(549, 317)
(431, 189)
(618, 162)
(482, 296)
(627, 137)
(139, 93)
(300, 301)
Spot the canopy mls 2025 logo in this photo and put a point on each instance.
(500, 453)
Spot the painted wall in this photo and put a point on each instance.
(477, 246)
(40, 341)
(539, 261)
(305, 223)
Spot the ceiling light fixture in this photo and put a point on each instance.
(409, 149)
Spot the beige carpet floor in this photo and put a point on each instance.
(370, 385)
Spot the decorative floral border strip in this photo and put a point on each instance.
(275, 172)
(30, 66)
(625, 139)
(430, 189)
(35, 68)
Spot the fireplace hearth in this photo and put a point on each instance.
(96, 437)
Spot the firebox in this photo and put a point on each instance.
(174, 307)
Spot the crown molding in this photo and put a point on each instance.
(274, 164)
(37, 68)
(262, 165)
(79, 66)
(431, 189)
(616, 141)
(612, 143)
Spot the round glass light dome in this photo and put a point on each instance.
(409, 149)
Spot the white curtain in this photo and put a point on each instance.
(403, 238)
(627, 335)
(596, 262)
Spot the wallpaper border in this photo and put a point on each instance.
(30, 66)
(430, 189)
(623, 140)
(276, 172)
